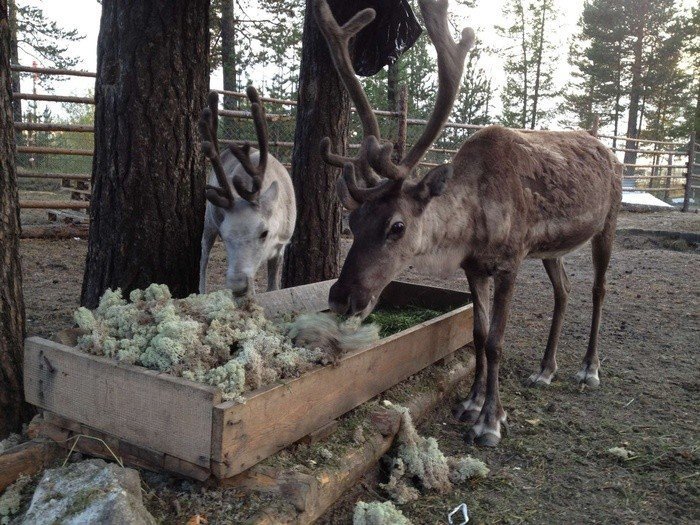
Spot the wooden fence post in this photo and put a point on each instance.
(667, 194)
(402, 124)
(689, 172)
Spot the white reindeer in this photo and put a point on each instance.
(251, 203)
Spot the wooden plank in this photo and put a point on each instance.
(26, 458)
(300, 299)
(144, 407)
(58, 205)
(58, 231)
(278, 415)
(400, 293)
(313, 493)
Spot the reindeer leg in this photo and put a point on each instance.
(487, 430)
(602, 248)
(208, 238)
(469, 409)
(560, 282)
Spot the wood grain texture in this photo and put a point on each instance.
(300, 299)
(278, 415)
(312, 495)
(27, 458)
(146, 408)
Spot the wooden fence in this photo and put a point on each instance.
(664, 168)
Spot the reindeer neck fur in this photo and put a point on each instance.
(443, 244)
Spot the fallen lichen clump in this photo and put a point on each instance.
(211, 338)
(11, 499)
(419, 458)
(376, 513)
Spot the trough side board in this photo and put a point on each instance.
(144, 407)
(274, 417)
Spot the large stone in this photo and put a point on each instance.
(91, 491)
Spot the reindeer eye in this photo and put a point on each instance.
(263, 235)
(397, 230)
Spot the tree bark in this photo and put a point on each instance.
(228, 52)
(148, 178)
(636, 90)
(13, 410)
(392, 86)
(14, 59)
(322, 111)
(525, 64)
(538, 71)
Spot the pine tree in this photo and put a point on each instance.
(474, 99)
(530, 62)
(650, 23)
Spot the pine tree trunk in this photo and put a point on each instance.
(147, 175)
(636, 91)
(525, 65)
(392, 86)
(322, 111)
(13, 410)
(14, 59)
(618, 93)
(538, 72)
(228, 52)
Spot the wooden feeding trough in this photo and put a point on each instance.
(154, 420)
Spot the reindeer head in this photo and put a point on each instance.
(387, 206)
(242, 220)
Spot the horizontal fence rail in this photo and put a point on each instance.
(664, 168)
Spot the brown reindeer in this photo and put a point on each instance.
(507, 195)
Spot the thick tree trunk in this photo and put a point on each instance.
(636, 90)
(147, 200)
(323, 110)
(14, 59)
(228, 52)
(13, 410)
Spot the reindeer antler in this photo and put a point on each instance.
(208, 125)
(257, 173)
(375, 153)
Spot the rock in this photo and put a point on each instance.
(91, 491)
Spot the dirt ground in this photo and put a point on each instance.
(552, 467)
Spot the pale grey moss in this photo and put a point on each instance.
(376, 513)
(210, 338)
(11, 499)
(420, 458)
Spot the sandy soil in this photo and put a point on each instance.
(553, 466)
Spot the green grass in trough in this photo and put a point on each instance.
(392, 320)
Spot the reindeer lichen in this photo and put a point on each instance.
(11, 499)
(376, 513)
(213, 338)
(420, 458)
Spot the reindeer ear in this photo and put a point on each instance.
(433, 183)
(269, 196)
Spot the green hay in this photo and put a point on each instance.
(392, 320)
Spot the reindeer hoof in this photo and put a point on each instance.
(487, 439)
(540, 379)
(466, 412)
(589, 377)
(484, 436)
